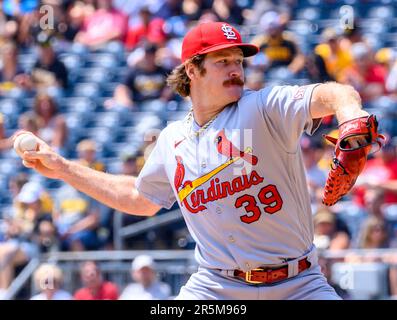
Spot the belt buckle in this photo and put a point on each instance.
(248, 276)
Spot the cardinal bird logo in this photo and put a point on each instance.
(226, 147)
(179, 172)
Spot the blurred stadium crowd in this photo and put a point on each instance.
(88, 77)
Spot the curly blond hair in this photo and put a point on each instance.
(179, 81)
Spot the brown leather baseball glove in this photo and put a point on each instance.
(348, 162)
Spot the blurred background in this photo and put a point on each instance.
(88, 77)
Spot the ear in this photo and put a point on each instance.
(191, 70)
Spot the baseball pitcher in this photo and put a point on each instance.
(235, 168)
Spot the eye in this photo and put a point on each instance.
(224, 61)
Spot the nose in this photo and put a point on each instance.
(236, 72)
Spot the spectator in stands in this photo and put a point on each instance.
(9, 68)
(94, 287)
(228, 10)
(374, 235)
(2, 129)
(19, 8)
(194, 9)
(105, 24)
(45, 233)
(47, 237)
(76, 218)
(278, 48)
(329, 149)
(146, 286)
(52, 125)
(327, 233)
(48, 280)
(8, 28)
(351, 35)
(87, 149)
(143, 83)
(336, 58)
(34, 201)
(29, 121)
(391, 81)
(16, 183)
(169, 8)
(149, 29)
(26, 28)
(48, 73)
(208, 16)
(365, 75)
(380, 176)
(24, 193)
(68, 17)
(5, 143)
(317, 72)
(255, 11)
(129, 165)
(312, 151)
(76, 13)
(316, 69)
(255, 80)
(21, 236)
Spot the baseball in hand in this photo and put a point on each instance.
(25, 142)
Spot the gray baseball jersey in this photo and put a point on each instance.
(241, 183)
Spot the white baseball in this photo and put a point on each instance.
(25, 142)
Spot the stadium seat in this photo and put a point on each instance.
(86, 89)
(107, 88)
(374, 40)
(104, 60)
(72, 61)
(381, 12)
(152, 105)
(108, 119)
(301, 27)
(97, 75)
(79, 104)
(10, 106)
(113, 165)
(11, 121)
(101, 135)
(146, 123)
(3, 182)
(115, 48)
(9, 166)
(26, 61)
(119, 73)
(390, 212)
(374, 26)
(309, 14)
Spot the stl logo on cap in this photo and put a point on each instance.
(212, 36)
(228, 32)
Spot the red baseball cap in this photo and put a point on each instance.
(214, 36)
